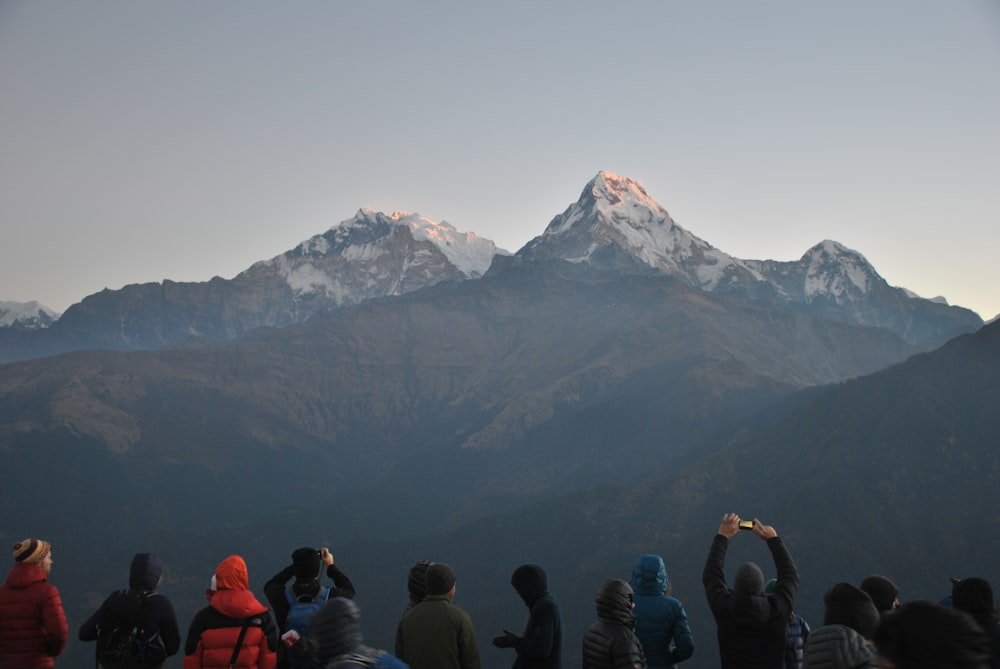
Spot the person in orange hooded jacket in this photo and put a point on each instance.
(215, 629)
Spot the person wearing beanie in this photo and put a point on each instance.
(845, 604)
(975, 597)
(750, 625)
(837, 647)
(660, 620)
(610, 642)
(416, 584)
(540, 645)
(337, 641)
(306, 568)
(882, 590)
(33, 628)
(234, 624)
(796, 633)
(141, 604)
(924, 635)
(436, 634)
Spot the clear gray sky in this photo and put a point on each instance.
(187, 139)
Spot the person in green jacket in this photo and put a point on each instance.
(436, 634)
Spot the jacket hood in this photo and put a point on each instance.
(231, 574)
(751, 611)
(837, 647)
(336, 628)
(530, 582)
(649, 575)
(236, 603)
(23, 574)
(145, 572)
(615, 601)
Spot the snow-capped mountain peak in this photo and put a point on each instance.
(833, 269)
(26, 315)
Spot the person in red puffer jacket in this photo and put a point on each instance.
(33, 627)
(215, 631)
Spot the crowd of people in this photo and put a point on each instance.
(639, 623)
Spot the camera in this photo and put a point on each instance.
(746, 524)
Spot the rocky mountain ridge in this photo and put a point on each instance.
(614, 226)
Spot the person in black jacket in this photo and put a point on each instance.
(540, 646)
(159, 624)
(750, 625)
(610, 642)
(305, 569)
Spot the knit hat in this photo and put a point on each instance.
(922, 635)
(415, 581)
(850, 606)
(306, 562)
(749, 580)
(882, 591)
(32, 551)
(440, 578)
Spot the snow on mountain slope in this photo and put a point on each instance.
(26, 315)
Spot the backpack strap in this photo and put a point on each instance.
(239, 643)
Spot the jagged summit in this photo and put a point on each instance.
(616, 225)
(376, 255)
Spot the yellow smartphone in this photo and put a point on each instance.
(746, 524)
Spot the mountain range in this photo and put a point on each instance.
(400, 391)
(614, 225)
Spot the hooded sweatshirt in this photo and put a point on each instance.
(750, 625)
(215, 629)
(660, 621)
(540, 646)
(121, 607)
(33, 627)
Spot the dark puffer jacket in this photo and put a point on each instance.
(660, 620)
(33, 626)
(610, 642)
(540, 647)
(336, 638)
(120, 608)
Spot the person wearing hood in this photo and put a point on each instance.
(610, 642)
(337, 642)
(122, 608)
(837, 647)
(33, 627)
(975, 597)
(540, 645)
(235, 631)
(660, 620)
(750, 624)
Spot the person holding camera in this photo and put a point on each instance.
(750, 624)
(306, 591)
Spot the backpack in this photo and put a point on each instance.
(302, 608)
(126, 646)
(300, 613)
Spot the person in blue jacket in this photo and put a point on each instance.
(660, 620)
